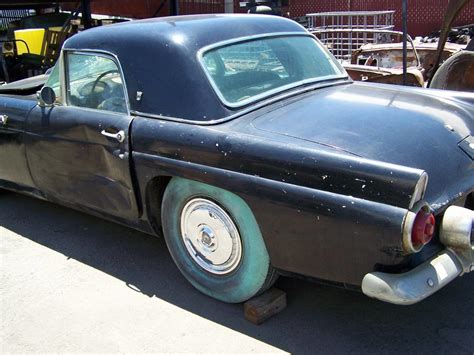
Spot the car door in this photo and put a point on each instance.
(14, 170)
(78, 149)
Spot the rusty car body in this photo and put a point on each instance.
(245, 143)
(373, 55)
(386, 59)
(376, 74)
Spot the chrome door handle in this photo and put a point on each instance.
(3, 120)
(120, 135)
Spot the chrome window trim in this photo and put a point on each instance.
(204, 50)
(62, 78)
(249, 109)
(100, 53)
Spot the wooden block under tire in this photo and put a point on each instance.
(260, 308)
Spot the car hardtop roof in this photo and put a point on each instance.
(159, 58)
(203, 29)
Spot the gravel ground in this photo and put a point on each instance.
(74, 283)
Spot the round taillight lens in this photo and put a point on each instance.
(423, 228)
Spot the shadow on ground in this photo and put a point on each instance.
(318, 318)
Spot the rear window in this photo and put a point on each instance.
(246, 71)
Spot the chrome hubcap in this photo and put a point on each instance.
(210, 236)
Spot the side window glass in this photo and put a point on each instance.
(94, 81)
(54, 83)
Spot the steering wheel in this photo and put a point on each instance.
(100, 88)
(94, 92)
(96, 81)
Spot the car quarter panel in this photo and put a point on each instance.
(409, 127)
(336, 231)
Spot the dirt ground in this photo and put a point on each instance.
(74, 283)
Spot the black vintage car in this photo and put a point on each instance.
(244, 142)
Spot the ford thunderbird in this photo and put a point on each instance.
(242, 141)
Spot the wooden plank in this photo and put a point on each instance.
(262, 307)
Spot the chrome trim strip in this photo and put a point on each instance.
(62, 78)
(420, 189)
(266, 94)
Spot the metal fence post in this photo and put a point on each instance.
(405, 32)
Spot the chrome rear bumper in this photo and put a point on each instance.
(415, 285)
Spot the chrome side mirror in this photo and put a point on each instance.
(46, 96)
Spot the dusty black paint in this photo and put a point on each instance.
(328, 171)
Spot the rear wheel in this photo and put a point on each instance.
(215, 241)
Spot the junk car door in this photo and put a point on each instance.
(78, 149)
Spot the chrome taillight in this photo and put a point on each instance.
(418, 228)
(423, 228)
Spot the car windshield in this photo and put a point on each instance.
(247, 71)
